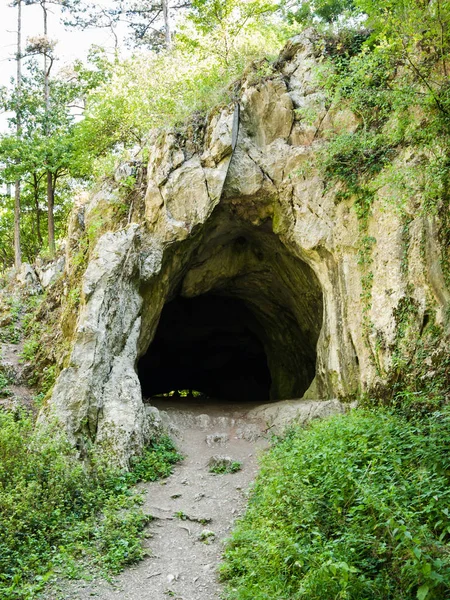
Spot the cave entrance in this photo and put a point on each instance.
(241, 320)
(209, 347)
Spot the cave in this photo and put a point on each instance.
(210, 344)
(241, 323)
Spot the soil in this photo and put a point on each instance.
(194, 510)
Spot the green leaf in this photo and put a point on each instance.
(422, 592)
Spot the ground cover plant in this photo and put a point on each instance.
(60, 515)
(355, 507)
(225, 468)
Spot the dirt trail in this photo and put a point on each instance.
(181, 565)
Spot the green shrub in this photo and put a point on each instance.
(155, 462)
(356, 507)
(4, 385)
(56, 511)
(223, 469)
(30, 348)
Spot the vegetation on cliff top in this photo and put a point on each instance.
(92, 114)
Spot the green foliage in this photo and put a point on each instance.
(147, 92)
(396, 83)
(223, 469)
(48, 378)
(121, 103)
(419, 380)
(4, 385)
(181, 394)
(30, 348)
(59, 513)
(317, 11)
(155, 462)
(181, 515)
(213, 46)
(355, 507)
(222, 28)
(44, 144)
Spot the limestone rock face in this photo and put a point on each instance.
(237, 208)
(49, 273)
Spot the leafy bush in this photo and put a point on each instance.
(56, 511)
(356, 507)
(30, 348)
(224, 468)
(150, 91)
(4, 385)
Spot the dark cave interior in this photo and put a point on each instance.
(241, 321)
(210, 344)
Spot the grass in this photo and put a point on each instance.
(60, 516)
(356, 507)
(224, 468)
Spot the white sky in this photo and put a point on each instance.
(72, 43)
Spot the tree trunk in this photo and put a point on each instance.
(51, 222)
(167, 31)
(50, 188)
(17, 245)
(17, 248)
(37, 209)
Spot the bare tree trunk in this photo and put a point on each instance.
(167, 31)
(37, 208)
(17, 245)
(46, 69)
(50, 188)
(50, 206)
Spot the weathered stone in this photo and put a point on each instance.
(28, 279)
(98, 394)
(220, 463)
(218, 138)
(49, 273)
(261, 226)
(280, 415)
(268, 112)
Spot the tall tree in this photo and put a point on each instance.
(149, 22)
(167, 28)
(17, 245)
(44, 46)
(48, 62)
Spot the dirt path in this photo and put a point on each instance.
(190, 505)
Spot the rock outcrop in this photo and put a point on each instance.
(236, 207)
